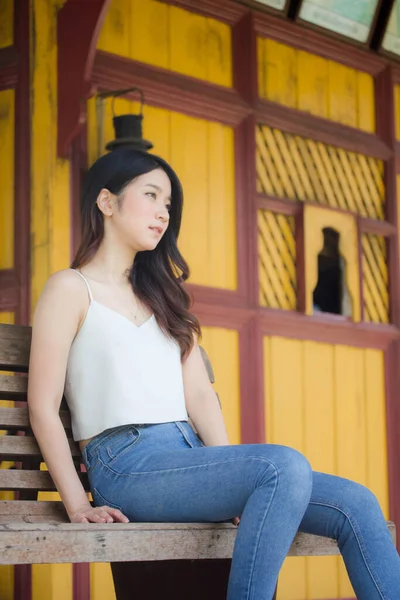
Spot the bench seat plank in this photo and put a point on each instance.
(16, 479)
(119, 542)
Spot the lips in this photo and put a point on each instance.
(158, 230)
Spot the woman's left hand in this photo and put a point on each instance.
(236, 520)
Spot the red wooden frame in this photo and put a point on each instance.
(80, 21)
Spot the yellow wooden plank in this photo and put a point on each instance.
(222, 347)
(157, 129)
(52, 582)
(222, 207)
(351, 432)
(261, 71)
(284, 414)
(7, 318)
(397, 109)
(219, 52)
(6, 23)
(312, 85)
(189, 146)
(280, 73)
(149, 24)
(342, 94)
(377, 470)
(319, 446)
(7, 116)
(188, 42)
(101, 582)
(115, 33)
(365, 102)
(49, 175)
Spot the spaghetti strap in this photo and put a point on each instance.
(87, 284)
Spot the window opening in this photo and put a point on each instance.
(331, 294)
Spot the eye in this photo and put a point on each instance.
(151, 194)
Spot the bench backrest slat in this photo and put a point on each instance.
(15, 341)
(18, 419)
(18, 479)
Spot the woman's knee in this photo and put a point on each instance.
(293, 470)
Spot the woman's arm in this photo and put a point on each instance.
(58, 315)
(202, 402)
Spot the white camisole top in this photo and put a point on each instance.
(119, 373)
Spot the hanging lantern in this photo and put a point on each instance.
(127, 128)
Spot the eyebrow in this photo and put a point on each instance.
(157, 187)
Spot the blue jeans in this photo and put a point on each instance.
(164, 473)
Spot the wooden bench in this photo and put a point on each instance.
(33, 531)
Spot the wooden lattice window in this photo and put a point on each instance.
(277, 260)
(375, 278)
(296, 168)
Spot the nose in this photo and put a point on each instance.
(163, 214)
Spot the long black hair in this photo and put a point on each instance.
(156, 276)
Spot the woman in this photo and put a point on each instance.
(115, 333)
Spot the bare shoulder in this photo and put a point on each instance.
(65, 291)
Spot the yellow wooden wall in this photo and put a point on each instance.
(332, 409)
(322, 87)
(170, 38)
(6, 23)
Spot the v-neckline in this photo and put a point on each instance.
(115, 312)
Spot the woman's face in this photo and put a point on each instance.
(143, 213)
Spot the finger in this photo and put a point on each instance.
(117, 515)
(104, 515)
(95, 518)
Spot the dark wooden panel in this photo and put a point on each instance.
(14, 347)
(16, 479)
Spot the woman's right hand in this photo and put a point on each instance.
(98, 514)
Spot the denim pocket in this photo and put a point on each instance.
(121, 442)
(189, 434)
(99, 500)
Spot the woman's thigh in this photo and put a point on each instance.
(192, 483)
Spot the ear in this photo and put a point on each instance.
(105, 201)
